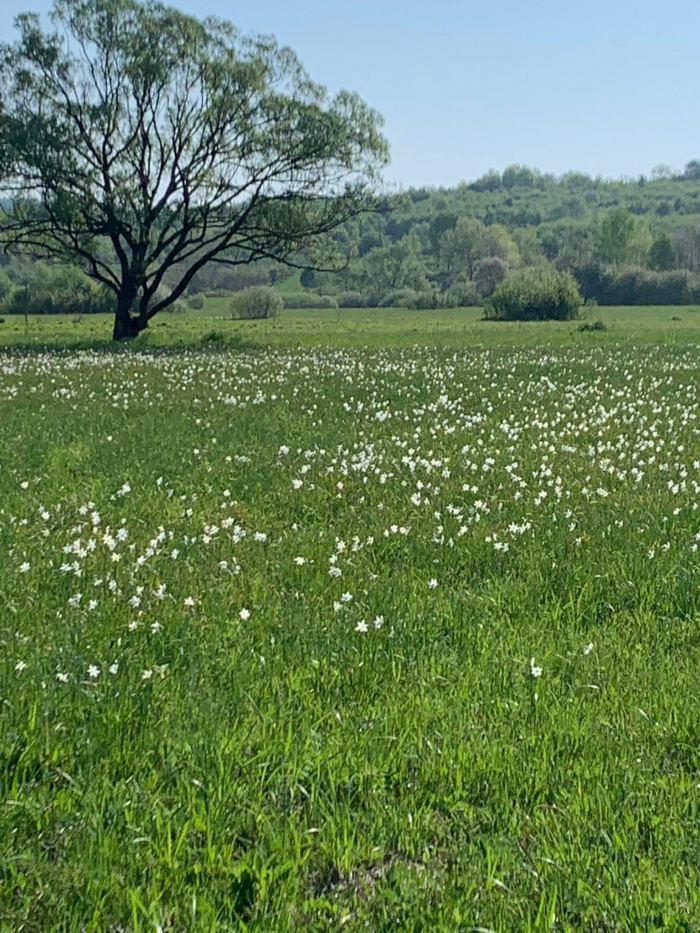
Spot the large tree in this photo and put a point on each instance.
(138, 141)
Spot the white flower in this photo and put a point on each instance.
(535, 671)
(297, 483)
(346, 598)
(244, 614)
(260, 536)
(113, 668)
(361, 626)
(588, 648)
(146, 675)
(189, 601)
(94, 671)
(300, 561)
(63, 678)
(24, 567)
(378, 622)
(432, 584)
(20, 666)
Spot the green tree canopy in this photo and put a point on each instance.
(662, 255)
(136, 140)
(394, 266)
(615, 236)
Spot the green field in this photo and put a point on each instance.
(353, 620)
(462, 327)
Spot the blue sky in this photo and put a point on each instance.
(610, 88)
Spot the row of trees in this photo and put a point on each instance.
(522, 176)
(460, 260)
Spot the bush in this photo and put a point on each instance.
(592, 325)
(428, 299)
(309, 300)
(351, 300)
(400, 298)
(634, 286)
(57, 289)
(535, 295)
(256, 303)
(212, 336)
(196, 302)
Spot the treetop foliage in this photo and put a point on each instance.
(135, 138)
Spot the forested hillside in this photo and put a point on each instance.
(626, 242)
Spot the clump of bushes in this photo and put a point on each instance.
(592, 325)
(196, 302)
(634, 286)
(259, 302)
(400, 298)
(212, 336)
(56, 289)
(309, 300)
(535, 294)
(351, 300)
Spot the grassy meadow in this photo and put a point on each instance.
(459, 328)
(352, 620)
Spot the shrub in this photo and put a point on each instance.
(351, 300)
(535, 295)
(634, 286)
(256, 303)
(196, 302)
(212, 336)
(593, 325)
(56, 289)
(428, 299)
(400, 298)
(309, 300)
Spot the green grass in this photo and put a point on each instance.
(462, 327)
(227, 748)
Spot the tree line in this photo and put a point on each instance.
(635, 242)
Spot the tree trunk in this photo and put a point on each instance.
(126, 324)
